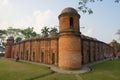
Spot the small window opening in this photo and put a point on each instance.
(71, 22)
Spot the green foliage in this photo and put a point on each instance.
(2, 38)
(53, 30)
(2, 32)
(33, 34)
(17, 33)
(45, 30)
(13, 31)
(2, 47)
(85, 9)
(28, 32)
(3, 44)
(18, 39)
(118, 46)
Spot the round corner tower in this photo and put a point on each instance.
(8, 47)
(69, 40)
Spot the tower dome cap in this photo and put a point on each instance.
(69, 10)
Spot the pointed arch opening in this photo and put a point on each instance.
(53, 58)
(71, 22)
(42, 57)
(27, 55)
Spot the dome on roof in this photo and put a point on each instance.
(69, 10)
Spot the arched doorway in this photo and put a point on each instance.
(21, 56)
(53, 58)
(33, 56)
(42, 57)
(13, 55)
(27, 55)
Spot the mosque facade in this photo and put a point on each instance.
(68, 49)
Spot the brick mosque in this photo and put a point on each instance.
(68, 49)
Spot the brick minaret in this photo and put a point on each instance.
(69, 40)
(8, 47)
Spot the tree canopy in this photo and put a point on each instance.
(83, 7)
(28, 32)
(118, 46)
(45, 30)
(17, 33)
(53, 30)
(118, 33)
(20, 34)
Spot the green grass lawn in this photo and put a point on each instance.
(11, 70)
(109, 70)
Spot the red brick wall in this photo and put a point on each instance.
(76, 23)
(69, 52)
(92, 51)
(95, 50)
(85, 52)
(8, 47)
(68, 45)
(35, 47)
(22, 47)
(65, 23)
(27, 55)
(54, 51)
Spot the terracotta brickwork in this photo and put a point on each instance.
(94, 50)
(68, 50)
(114, 45)
(85, 52)
(69, 40)
(37, 50)
(8, 49)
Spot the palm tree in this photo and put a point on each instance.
(45, 31)
(53, 30)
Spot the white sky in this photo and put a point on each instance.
(102, 24)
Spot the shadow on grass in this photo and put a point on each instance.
(41, 76)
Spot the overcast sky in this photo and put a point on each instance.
(102, 24)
